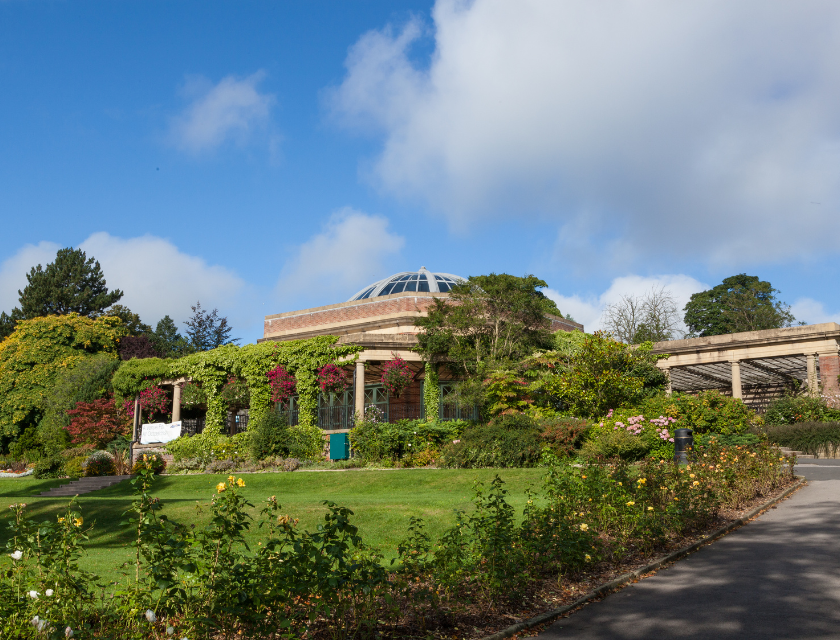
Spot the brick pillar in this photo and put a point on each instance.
(829, 370)
(811, 368)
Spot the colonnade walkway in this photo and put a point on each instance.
(776, 577)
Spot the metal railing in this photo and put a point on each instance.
(192, 426)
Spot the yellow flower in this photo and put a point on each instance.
(584, 527)
(642, 479)
(145, 457)
(231, 479)
(220, 487)
(240, 483)
(631, 503)
(695, 483)
(650, 508)
(588, 557)
(78, 522)
(620, 485)
(690, 475)
(61, 520)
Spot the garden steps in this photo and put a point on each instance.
(82, 486)
(798, 454)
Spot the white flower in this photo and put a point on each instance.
(34, 622)
(150, 616)
(49, 593)
(170, 630)
(17, 555)
(68, 632)
(34, 595)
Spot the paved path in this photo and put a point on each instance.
(777, 577)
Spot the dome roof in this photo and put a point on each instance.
(422, 280)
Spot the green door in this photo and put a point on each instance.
(339, 446)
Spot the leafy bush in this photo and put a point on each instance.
(99, 463)
(378, 441)
(236, 394)
(563, 435)
(235, 447)
(96, 423)
(707, 412)
(813, 438)
(49, 467)
(791, 409)
(199, 446)
(306, 442)
(618, 443)
(74, 466)
(152, 462)
(507, 441)
(269, 436)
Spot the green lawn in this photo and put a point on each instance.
(383, 502)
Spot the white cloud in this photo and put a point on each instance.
(812, 311)
(233, 108)
(708, 129)
(348, 254)
(159, 279)
(14, 269)
(589, 310)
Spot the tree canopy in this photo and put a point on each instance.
(37, 352)
(739, 303)
(73, 283)
(206, 330)
(487, 321)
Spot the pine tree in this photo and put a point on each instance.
(167, 341)
(206, 330)
(72, 283)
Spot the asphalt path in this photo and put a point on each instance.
(776, 577)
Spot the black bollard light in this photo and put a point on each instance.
(683, 443)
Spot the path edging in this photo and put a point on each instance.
(622, 580)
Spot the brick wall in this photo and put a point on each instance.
(346, 313)
(829, 370)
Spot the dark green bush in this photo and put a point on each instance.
(375, 441)
(50, 467)
(799, 409)
(269, 436)
(99, 463)
(507, 441)
(618, 443)
(814, 438)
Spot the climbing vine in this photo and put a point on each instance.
(213, 369)
(431, 392)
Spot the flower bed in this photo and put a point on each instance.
(585, 525)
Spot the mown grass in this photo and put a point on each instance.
(382, 501)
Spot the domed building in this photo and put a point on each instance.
(379, 317)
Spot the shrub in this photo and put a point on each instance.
(563, 435)
(96, 423)
(99, 463)
(220, 466)
(707, 412)
(234, 448)
(618, 443)
(306, 442)
(795, 409)
(49, 467)
(507, 441)
(236, 393)
(269, 436)
(377, 441)
(73, 466)
(199, 446)
(813, 438)
(153, 462)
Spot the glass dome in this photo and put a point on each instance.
(422, 280)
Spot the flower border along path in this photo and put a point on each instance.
(633, 576)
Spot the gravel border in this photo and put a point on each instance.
(612, 585)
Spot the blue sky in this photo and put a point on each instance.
(269, 156)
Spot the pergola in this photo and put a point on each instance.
(757, 365)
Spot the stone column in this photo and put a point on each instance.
(135, 435)
(667, 372)
(813, 387)
(736, 379)
(829, 371)
(176, 402)
(359, 403)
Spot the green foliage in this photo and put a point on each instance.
(49, 467)
(739, 303)
(431, 391)
(813, 438)
(403, 440)
(132, 321)
(40, 349)
(791, 409)
(269, 436)
(138, 374)
(73, 283)
(167, 341)
(600, 374)
(149, 463)
(206, 330)
(508, 441)
(706, 412)
(505, 391)
(486, 320)
(306, 442)
(615, 444)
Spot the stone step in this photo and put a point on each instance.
(82, 486)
